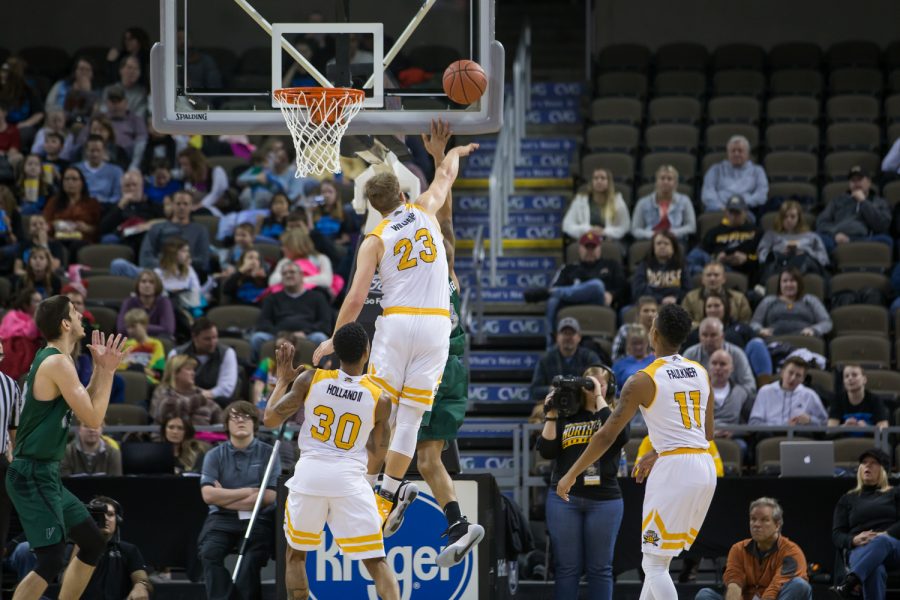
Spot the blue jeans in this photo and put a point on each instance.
(795, 589)
(583, 533)
(872, 562)
(591, 291)
(261, 337)
(758, 356)
(884, 238)
(124, 268)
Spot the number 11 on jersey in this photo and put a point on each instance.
(692, 397)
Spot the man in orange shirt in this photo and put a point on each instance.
(768, 566)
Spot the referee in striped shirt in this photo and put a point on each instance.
(11, 401)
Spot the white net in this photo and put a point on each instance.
(317, 119)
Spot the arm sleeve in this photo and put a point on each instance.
(621, 221)
(765, 246)
(120, 319)
(825, 221)
(818, 414)
(743, 375)
(890, 164)
(709, 196)
(734, 568)
(549, 449)
(689, 227)
(817, 249)
(218, 189)
(166, 315)
(266, 320)
(758, 321)
(639, 229)
(211, 467)
(228, 375)
(576, 222)
(639, 281)
(758, 412)
(877, 214)
(840, 524)
(792, 565)
(325, 275)
(148, 256)
(760, 193)
(823, 319)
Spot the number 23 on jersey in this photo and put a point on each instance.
(404, 249)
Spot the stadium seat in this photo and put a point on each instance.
(856, 81)
(857, 53)
(625, 190)
(892, 56)
(717, 136)
(739, 82)
(682, 56)
(739, 56)
(236, 318)
(50, 61)
(795, 55)
(618, 111)
(733, 109)
(674, 109)
(892, 110)
(796, 82)
(271, 253)
(852, 108)
(884, 382)
(860, 319)
(812, 283)
(788, 109)
(863, 349)
(672, 138)
(137, 389)
(707, 220)
(891, 192)
(862, 137)
(805, 193)
(109, 290)
(847, 451)
(857, 281)
(686, 164)
(211, 222)
(792, 166)
(621, 165)
(837, 164)
(631, 85)
(612, 138)
(229, 163)
(820, 380)
(241, 347)
(98, 256)
(680, 83)
(732, 456)
(596, 321)
(863, 256)
(620, 57)
(105, 317)
(832, 190)
(792, 137)
(636, 253)
(813, 344)
(126, 414)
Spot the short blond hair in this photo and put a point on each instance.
(383, 191)
(137, 316)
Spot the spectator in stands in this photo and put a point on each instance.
(860, 214)
(160, 185)
(102, 127)
(733, 402)
(598, 208)
(665, 210)
(145, 354)
(76, 94)
(791, 244)
(767, 565)
(32, 186)
(791, 311)
(73, 213)
(732, 242)
(131, 211)
(787, 402)
(269, 229)
(217, 373)
(855, 406)
(206, 184)
(178, 394)
(52, 154)
(595, 503)
(161, 150)
(129, 129)
(647, 307)
(593, 280)
(638, 354)
(739, 334)
(135, 94)
(891, 162)
(19, 333)
(148, 295)
(298, 247)
(243, 242)
(335, 222)
(90, 454)
(566, 358)
(306, 313)
(10, 229)
(736, 175)
(104, 179)
(202, 71)
(263, 380)
(39, 275)
(179, 225)
(712, 338)
(178, 277)
(38, 238)
(189, 452)
(135, 44)
(231, 481)
(10, 145)
(866, 529)
(713, 281)
(248, 282)
(55, 122)
(25, 112)
(661, 274)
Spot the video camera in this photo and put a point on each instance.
(566, 396)
(97, 510)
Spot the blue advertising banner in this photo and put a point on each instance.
(561, 116)
(559, 89)
(486, 462)
(532, 160)
(499, 392)
(511, 326)
(515, 218)
(503, 361)
(502, 295)
(509, 279)
(544, 103)
(529, 232)
(514, 263)
(479, 203)
(534, 145)
(521, 172)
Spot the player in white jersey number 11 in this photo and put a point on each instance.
(675, 397)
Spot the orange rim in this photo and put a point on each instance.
(303, 96)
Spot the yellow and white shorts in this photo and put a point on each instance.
(679, 491)
(353, 520)
(409, 353)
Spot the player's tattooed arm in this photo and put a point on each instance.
(380, 438)
(286, 399)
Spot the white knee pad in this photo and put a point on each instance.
(655, 564)
(658, 584)
(406, 429)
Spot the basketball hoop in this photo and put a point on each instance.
(317, 118)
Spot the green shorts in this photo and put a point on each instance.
(449, 408)
(46, 509)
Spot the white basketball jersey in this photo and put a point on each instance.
(413, 268)
(677, 416)
(339, 415)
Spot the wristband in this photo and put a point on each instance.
(550, 419)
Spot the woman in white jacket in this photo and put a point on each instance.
(598, 208)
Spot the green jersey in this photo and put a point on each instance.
(43, 426)
(457, 333)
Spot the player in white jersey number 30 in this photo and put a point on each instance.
(675, 397)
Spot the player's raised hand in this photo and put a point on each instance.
(565, 484)
(436, 141)
(465, 150)
(107, 352)
(324, 349)
(284, 363)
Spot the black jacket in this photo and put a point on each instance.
(867, 510)
(553, 364)
(608, 271)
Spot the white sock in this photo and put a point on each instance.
(658, 583)
(390, 485)
(372, 479)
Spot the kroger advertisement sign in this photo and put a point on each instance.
(411, 553)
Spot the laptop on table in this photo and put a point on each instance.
(807, 459)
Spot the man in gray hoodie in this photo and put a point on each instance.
(788, 401)
(857, 215)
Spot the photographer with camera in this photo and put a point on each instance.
(583, 530)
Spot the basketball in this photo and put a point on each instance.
(464, 81)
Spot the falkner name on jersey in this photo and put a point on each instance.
(344, 394)
(682, 373)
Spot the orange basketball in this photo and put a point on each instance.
(464, 81)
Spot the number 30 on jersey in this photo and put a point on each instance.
(404, 249)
